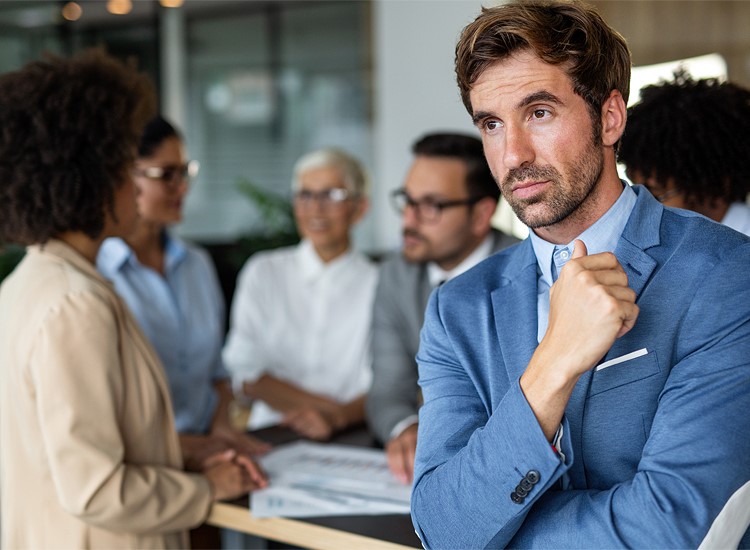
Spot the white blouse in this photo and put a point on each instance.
(303, 321)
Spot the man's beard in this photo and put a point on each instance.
(561, 200)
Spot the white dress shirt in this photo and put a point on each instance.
(303, 321)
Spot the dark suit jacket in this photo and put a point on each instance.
(654, 445)
(398, 312)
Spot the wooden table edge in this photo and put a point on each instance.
(291, 531)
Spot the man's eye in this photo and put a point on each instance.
(540, 113)
(491, 125)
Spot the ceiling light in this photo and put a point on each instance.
(119, 7)
(171, 3)
(72, 11)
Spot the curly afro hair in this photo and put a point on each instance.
(69, 131)
(696, 132)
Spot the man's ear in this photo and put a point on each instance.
(614, 116)
(484, 209)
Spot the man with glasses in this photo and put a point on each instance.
(299, 341)
(446, 207)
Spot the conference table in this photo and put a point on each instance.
(382, 532)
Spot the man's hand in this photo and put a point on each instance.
(400, 452)
(591, 306)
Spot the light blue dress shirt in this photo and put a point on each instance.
(600, 237)
(182, 314)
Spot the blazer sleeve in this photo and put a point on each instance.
(692, 462)
(80, 389)
(393, 393)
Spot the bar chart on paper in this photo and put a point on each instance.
(312, 479)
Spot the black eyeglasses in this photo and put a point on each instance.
(326, 198)
(427, 210)
(173, 175)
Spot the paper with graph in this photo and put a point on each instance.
(313, 479)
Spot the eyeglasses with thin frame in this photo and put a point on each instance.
(171, 175)
(326, 198)
(427, 210)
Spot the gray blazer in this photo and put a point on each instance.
(398, 313)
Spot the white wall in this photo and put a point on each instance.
(415, 91)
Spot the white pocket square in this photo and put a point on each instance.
(622, 358)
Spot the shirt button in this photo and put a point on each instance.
(564, 254)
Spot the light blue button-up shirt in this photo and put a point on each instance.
(602, 236)
(182, 314)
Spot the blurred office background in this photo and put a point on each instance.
(254, 84)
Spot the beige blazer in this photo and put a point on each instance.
(88, 454)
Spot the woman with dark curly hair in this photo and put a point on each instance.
(88, 450)
(688, 141)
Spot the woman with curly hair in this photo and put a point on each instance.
(688, 141)
(88, 450)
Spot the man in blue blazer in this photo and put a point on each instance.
(589, 387)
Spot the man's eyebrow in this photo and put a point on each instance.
(541, 95)
(479, 116)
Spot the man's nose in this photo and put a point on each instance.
(518, 147)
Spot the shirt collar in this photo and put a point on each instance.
(437, 275)
(602, 236)
(115, 254)
(311, 266)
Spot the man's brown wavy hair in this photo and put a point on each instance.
(570, 34)
(69, 131)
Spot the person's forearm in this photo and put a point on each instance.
(221, 420)
(351, 413)
(284, 396)
(547, 391)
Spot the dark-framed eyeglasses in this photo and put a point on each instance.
(171, 174)
(427, 210)
(326, 198)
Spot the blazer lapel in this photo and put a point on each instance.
(640, 233)
(514, 304)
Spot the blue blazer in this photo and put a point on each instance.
(654, 443)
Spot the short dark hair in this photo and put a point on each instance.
(154, 133)
(570, 34)
(469, 150)
(69, 129)
(696, 132)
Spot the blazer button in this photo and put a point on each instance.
(521, 492)
(525, 484)
(533, 476)
(516, 498)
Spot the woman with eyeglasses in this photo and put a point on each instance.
(172, 289)
(299, 341)
(88, 450)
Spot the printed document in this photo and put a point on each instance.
(312, 479)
